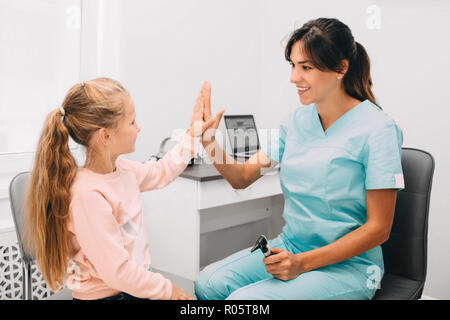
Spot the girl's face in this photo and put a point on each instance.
(312, 84)
(124, 136)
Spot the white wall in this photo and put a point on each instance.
(39, 61)
(165, 52)
(162, 51)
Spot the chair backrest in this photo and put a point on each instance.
(405, 253)
(17, 190)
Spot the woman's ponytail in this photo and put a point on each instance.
(357, 80)
(48, 199)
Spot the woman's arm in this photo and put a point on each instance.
(374, 232)
(380, 215)
(239, 175)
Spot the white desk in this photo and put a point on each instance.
(199, 208)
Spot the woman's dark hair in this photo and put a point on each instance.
(326, 42)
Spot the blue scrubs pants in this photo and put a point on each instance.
(242, 276)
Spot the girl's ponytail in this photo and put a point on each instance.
(48, 199)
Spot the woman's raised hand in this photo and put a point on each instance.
(198, 122)
(211, 129)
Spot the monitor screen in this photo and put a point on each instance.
(242, 133)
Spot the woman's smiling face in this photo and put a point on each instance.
(313, 85)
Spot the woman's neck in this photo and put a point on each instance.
(334, 106)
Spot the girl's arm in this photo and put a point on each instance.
(100, 237)
(158, 174)
(154, 174)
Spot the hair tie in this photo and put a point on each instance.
(61, 109)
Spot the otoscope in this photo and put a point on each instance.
(261, 243)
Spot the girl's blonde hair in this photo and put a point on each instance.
(88, 107)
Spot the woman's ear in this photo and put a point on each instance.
(343, 68)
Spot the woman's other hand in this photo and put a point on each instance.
(283, 264)
(209, 134)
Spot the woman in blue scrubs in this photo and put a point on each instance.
(340, 158)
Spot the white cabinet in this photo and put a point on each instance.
(179, 215)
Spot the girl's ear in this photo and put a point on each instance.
(104, 136)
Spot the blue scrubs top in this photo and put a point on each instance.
(324, 175)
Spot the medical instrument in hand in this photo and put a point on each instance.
(261, 243)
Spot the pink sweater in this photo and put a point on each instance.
(110, 250)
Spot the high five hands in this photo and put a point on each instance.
(202, 123)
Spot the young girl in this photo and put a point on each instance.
(340, 158)
(91, 217)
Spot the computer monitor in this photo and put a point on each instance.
(243, 135)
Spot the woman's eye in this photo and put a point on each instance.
(306, 68)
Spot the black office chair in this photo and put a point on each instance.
(405, 253)
(17, 189)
